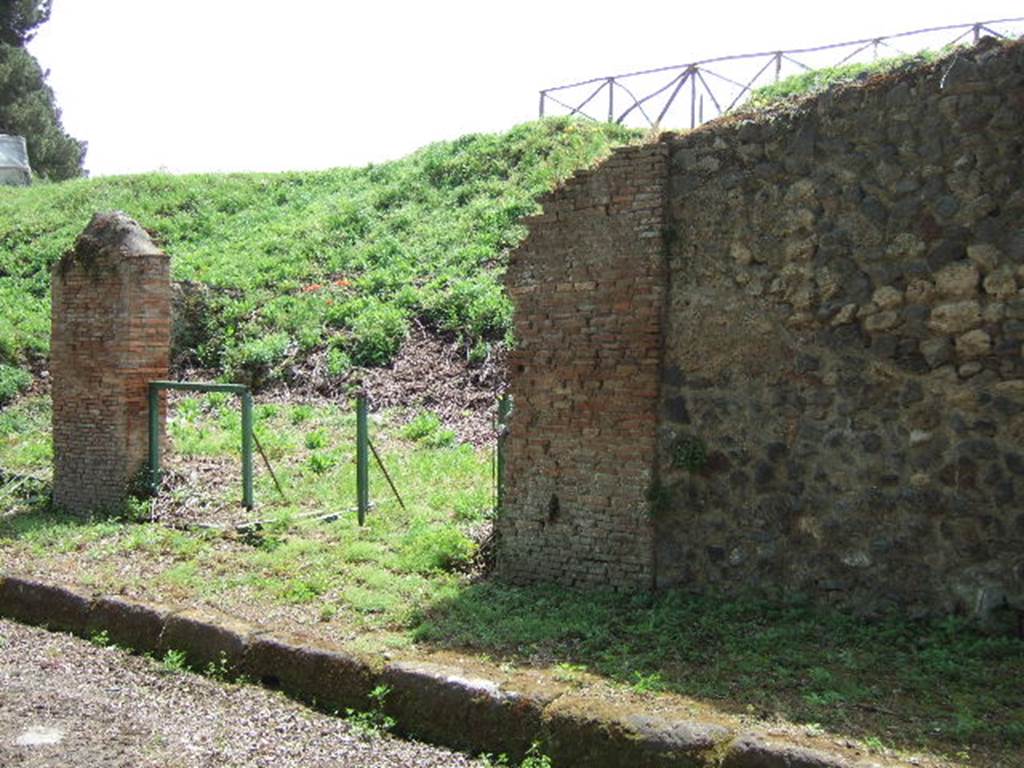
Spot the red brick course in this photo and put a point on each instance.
(110, 337)
(589, 285)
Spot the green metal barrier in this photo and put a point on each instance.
(247, 436)
(362, 459)
(363, 445)
(504, 411)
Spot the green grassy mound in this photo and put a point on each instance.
(816, 80)
(295, 262)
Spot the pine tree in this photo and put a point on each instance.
(20, 18)
(27, 105)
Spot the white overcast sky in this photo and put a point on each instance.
(254, 85)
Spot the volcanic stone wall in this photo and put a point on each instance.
(841, 399)
(589, 285)
(110, 337)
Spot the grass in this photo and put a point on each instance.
(287, 264)
(402, 582)
(815, 80)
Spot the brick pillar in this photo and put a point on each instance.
(589, 284)
(110, 337)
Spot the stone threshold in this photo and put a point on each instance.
(437, 703)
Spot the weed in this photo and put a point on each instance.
(338, 362)
(328, 612)
(374, 721)
(301, 413)
(426, 428)
(487, 760)
(321, 463)
(316, 438)
(220, 669)
(567, 672)
(535, 758)
(441, 548)
(647, 683)
(874, 744)
(13, 381)
(100, 638)
(175, 661)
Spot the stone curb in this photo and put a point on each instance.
(306, 669)
(445, 705)
(437, 703)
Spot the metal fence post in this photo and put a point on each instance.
(154, 438)
(247, 491)
(504, 408)
(362, 459)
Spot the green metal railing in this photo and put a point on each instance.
(241, 390)
(362, 460)
(363, 444)
(504, 411)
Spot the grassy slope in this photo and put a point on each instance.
(343, 257)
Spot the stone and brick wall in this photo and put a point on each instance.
(841, 401)
(589, 285)
(110, 337)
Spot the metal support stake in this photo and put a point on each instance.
(693, 101)
(362, 459)
(154, 438)
(611, 99)
(504, 408)
(247, 492)
(541, 112)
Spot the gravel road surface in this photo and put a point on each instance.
(66, 702)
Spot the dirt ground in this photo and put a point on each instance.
(67, 702)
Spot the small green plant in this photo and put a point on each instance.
(219, 669)
(100, 638)
(535, 758)
(301, 413)
(487, 760)
(321, 463)
(175, 661)
(567, 672)
(338, 362)
(374, 721)
(258, 360)
(136, 509)
(479, 352)
(689, 453)
(426, 428)
(377, 331)
(647, 683)
(442, 548)
(13, 381)
(874, 744)
(315, 439)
